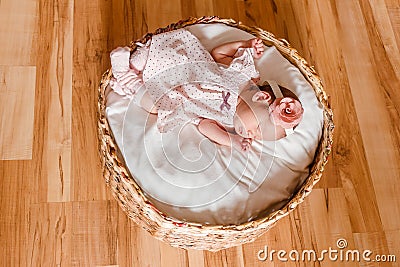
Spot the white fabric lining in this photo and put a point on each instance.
(222, 199)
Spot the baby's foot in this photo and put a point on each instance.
(138, 59)
(120, 61)
(257, 45)
(125, 81)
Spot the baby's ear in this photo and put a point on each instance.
(261, 96)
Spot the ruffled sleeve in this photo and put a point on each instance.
(243, 62)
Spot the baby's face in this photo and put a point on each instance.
(246, 123)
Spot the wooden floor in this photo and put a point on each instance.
(55, 209)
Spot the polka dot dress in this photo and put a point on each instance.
(186, 84)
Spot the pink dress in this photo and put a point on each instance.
(186, 84)
(183, 80)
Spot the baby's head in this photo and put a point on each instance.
(262, 112)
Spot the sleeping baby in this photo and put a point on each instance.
(175, 77)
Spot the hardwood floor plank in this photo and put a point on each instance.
(393, 241)
(226, 9)
(128, 255)
(60, 107)
(136, 247)
(94, 233)
(172, 256)
(380, 147)
(376, 242)
(393, 7)
(214, 259)
(15, 195)
(381, 31)
(90, 59)
(291, 24)
(333, 225)
(349, 150)
(50, 234)
(146, 248)
(17, 102)
(227, 257)
(162, 13)
(301, 230)
(52, 138)
(188, 8)
(18, 30)
(128, 23)
(386, 53)
(193, 8)
(195, 258)
(287, 235)
(331, 209)
(258, 13)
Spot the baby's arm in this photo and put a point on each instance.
(224, 53)
(212, 130)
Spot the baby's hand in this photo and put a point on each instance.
(240, 143)
(246, 143)
(257, 45)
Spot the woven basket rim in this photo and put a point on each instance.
(112, 164)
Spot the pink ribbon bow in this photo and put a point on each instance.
(225, 97)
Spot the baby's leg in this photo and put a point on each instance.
(225, 53)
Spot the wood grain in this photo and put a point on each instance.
(94, 233)
(16, 111)
(15, 200)
(58, 79)
(54, 205)
(18, 22)
(160, 13)
(371, 105)
(90, 58)
(50, 234)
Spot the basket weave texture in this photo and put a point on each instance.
(193, 235)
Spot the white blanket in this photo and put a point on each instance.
(187, 176)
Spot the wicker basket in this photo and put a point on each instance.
(193, 235)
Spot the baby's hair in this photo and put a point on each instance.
(285, 92)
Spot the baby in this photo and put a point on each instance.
(268, 112)
(232, 117)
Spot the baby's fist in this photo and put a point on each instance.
(258, 46)
(246, 144)
(239, 143)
